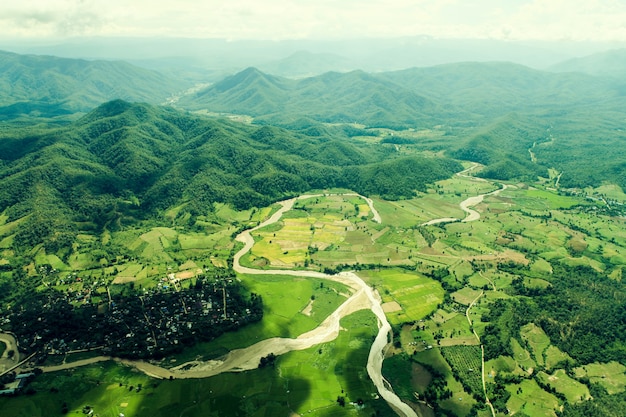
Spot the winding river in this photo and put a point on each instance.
(465, 205)
(362, 297)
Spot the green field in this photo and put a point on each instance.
(522, 356)
(573, 390)
(529, 398)
(537, 340)
(554, 356)
(460, 402)
(283, 313)
(299, 382)
(427, 276)
(612, 376)
(417, 295)
(502, 364)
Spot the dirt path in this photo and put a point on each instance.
(482, 349)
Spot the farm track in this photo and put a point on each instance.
(482, 350)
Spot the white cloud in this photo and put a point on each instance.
(283, 19)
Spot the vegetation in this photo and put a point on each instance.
(118, 224)
(46, 86)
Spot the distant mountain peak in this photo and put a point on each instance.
(245, 78)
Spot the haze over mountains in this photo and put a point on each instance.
(298, 58)
(469, 103)
(47, 84)
(117, 175)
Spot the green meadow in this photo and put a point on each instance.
(427, 277)
(298, 382)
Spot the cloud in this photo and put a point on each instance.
(50, 19)
(284, 19)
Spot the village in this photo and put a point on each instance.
(146, 323)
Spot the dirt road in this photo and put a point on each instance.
(11, 345)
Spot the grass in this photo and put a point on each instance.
(417, 295)
(346, 356)
(322, 222)
(612, 375)
(573, 390)
(554, 355)
(282, 313)
(529, 398)
(522, 356)
(461, 402)
(549, 199)
(334, 225)
(465, 295)
(299, 382)
(537, 340)
(502, 364)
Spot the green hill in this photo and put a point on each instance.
(494, 89)
(49, 86)
(123, 162)
(610, 63)
(332, 98)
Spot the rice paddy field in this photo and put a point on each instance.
(426, 276)
(298, 382)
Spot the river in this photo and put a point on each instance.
(362, 297)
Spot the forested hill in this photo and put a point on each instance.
(493, 89)
(50, 86)
(456, 94)
(609, 63)
(127, 161)
(332, 97)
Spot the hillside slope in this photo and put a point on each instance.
(46, 85)
(331, 98)
(124, 162)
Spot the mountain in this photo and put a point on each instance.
(330, 98)
(497, 88)
(307, 64)
(124, 161)
(46, 85)
(609, 63)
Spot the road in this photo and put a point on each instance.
(11, 345)
(482, 349)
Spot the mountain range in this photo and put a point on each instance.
(491, 113)
(126, 161)
(50, 86)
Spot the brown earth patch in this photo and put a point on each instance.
(123, 280)
(187, 274)
(391, 307)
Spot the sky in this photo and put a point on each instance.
(553, 20)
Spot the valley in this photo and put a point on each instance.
(472, 273)
(442, 241)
